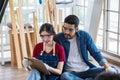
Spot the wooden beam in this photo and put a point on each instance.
(47, 9)
(36, 31)
(12, 49)
(60, 21)
(29, 41)
(22, 33)
(15, 35)
(50, 6)
(55, 15)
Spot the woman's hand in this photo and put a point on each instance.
(26, 63)
(47, 67)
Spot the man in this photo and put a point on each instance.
(77, 44)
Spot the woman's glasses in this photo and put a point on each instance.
(46, 36)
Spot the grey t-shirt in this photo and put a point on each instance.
(75, 61)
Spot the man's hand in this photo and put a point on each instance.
(110, 69)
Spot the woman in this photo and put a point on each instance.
(50, 52)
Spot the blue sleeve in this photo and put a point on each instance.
(94, 51)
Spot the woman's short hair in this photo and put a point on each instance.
(48, 28)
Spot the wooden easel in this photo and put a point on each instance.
(15, 35)
(51, 14)
(19, 40)
(29, 41)
(50, 10)
(60, 21)
(22, 34)
(36, 32)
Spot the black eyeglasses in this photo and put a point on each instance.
(69, 29)
(46, 36)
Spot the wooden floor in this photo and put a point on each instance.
(12, 73)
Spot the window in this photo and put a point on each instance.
(109, 35)
(80, 11)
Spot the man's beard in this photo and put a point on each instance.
(68, 36)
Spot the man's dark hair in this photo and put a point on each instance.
(108, 76)
(72, 19)
(48, 28)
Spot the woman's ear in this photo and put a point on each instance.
(62, 29)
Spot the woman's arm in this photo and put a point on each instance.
(60, 52)
(57, 70)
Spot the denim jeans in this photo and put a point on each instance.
(90, 74)
(34, 75)
(51, 60)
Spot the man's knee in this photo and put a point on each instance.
(65, 76)
(70, 76)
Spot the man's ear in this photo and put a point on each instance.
(76, 29)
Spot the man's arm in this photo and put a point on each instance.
(95, 52)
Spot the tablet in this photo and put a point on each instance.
(38, 64)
